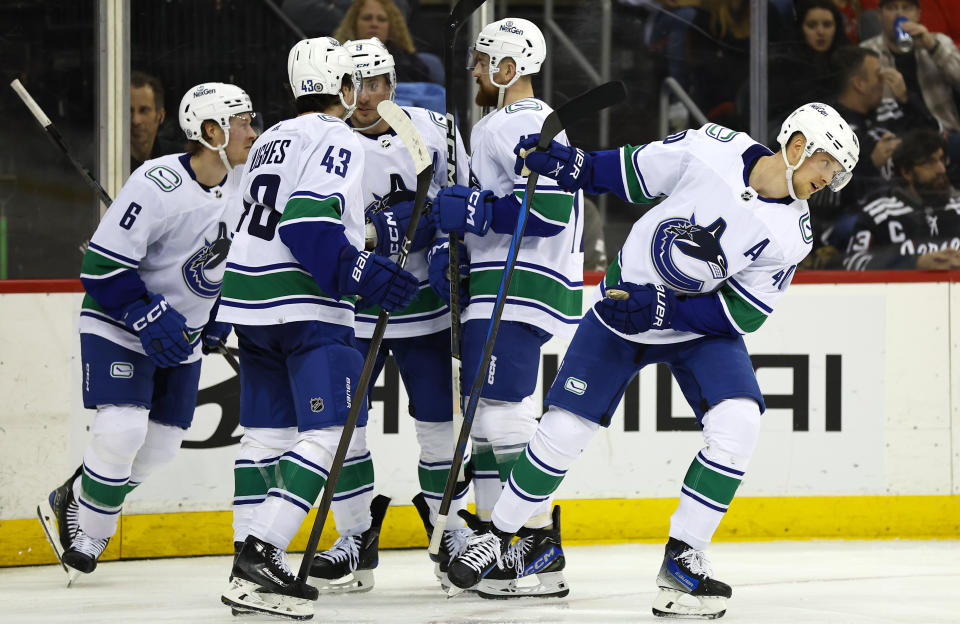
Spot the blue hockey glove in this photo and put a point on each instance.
(634, 308)
(438, 271)
(463, 209)
(161, 329)
(569, 166)
(214, 337)
(391, 225)
(377, 279)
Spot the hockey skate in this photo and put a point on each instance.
(261, 581)
(532, 567)
(452, 544)
(687, 588)
(84, 552)
(59, 517)
(483, 552)
(348, 565)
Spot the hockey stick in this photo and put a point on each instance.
(593, 100)
(403, 126)
(458, 17)
(54, 135)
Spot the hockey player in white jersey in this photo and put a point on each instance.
(152, 274)
(545, 292)
(706, 265)
(418, 335)
(293, 275)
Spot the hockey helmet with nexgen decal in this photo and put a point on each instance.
(217, 102)
(824, 130)
(515, 38)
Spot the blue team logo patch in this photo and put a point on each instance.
(806, 230)
(211, 255)
(682, 250)
(164, 177)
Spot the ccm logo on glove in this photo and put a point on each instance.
(151, 316)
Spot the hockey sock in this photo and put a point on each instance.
(118, 433)
(486, 478)
(731, 429)
(160, 446)
(558, 441)
(301, 473)
(354, 492)
(436, 455)
(254, 472)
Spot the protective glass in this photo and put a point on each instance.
(249, 119)
(830, 167)
(375, 85)
(478, 59)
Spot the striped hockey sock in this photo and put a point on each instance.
(351, 499)
(706, 493)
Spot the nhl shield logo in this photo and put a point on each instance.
(316, 404)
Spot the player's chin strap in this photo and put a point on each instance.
(790, 170)
(503, 88)
(220, 149)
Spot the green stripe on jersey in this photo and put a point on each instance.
(96, 264)
(425, 301)
(306, 208)
(612, 277)
(567, 300)
(552, 206)
(271, 286)
(634, 188)
(712, 484)
(744, 314)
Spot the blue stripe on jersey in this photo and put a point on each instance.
(528, 265)
(113, 254)
(353, 494)
(529, 304)
(265, 268)
(743, 291)
(229, 303)
(720, 467)
(103, 318)
(506, 213)
(396, 320)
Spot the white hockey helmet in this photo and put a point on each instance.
(824, 130)
(372, 59)
(317, 67)
(515, 38)
(213, 101)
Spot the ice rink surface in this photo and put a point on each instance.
(798, 582)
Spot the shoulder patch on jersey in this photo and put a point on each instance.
(522, 105)
(327, 117)
(720, 133)
(164, 177)
(438, 119)
(806, 230)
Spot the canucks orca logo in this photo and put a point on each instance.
(694, 241)
(207, 257)
(398, 192)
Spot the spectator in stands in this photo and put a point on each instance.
(916, 224)
(800, 69)
(383, 20)
(147, 113)
(849, 11)
(931, 70)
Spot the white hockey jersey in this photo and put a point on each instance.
(388, 167)
(174, 233)
(712, 231)
(547, 284)
(306, 168)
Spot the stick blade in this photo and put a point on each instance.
(596, 99)
(461, 12)
(403, 126)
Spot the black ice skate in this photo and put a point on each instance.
(452, 544)
(348, 565)
(262, 581)
(483, 552)
(84, 552)
(686, 573)
(59, 517)
(532, 567)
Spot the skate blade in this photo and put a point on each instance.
(47, 519)
(452, 590)
(544, 585)
(356, 583)
(247, 597)
(670, 603)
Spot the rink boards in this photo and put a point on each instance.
(861, 437)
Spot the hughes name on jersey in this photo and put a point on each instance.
(388, 169)
(302, 172)
(712, 231)
(547, 284)
(166, 234)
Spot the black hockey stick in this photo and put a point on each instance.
(51, 131)
(401, 124)
(593, 100)
(54, 135)
(458, 17)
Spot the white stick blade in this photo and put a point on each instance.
(403, 126)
